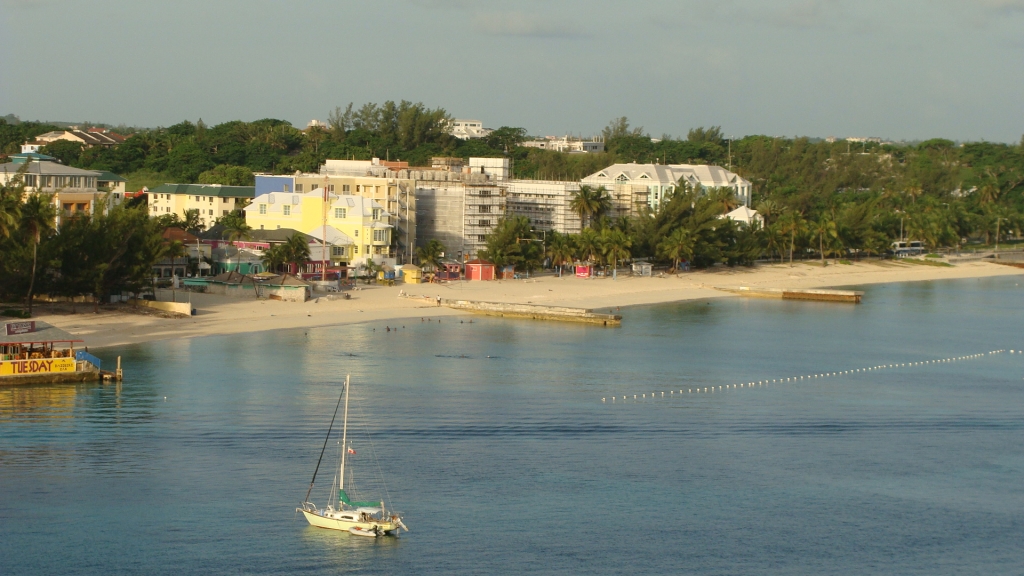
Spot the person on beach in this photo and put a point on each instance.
(438, 300)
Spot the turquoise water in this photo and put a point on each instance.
(495, 444)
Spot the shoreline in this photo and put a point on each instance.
(222, 315)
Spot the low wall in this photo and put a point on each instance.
(818, 294)
(183, 308)
(535, 312)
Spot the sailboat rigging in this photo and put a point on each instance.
(360, 518)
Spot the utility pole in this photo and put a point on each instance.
(323, 239)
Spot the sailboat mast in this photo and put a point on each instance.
(344, 437)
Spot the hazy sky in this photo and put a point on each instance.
(902, 69)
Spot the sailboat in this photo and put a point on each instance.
(360, 518)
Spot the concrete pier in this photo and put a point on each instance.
(819, 294)
(535, 312)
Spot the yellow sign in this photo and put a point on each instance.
(38, 366)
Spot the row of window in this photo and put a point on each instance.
(40, 181)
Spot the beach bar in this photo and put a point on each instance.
(33, 352)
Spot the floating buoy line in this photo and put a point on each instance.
(767, 382)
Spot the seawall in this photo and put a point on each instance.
(535, 312)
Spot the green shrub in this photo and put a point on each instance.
(13, 313)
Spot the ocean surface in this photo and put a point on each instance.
(495, 443)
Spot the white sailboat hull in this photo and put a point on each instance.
(324, 521)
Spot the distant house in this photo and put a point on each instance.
(74, 190)
(479, 270)
(88, 138)
(212, 201)
(468, 129)
(745, 215)
(637, 184)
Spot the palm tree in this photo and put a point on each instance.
(560, 250)
(589, 203)
(773, 241)
(297, 250)
(769, 209)
(275, 257)
(615, 245)
(235, 228)
(430, 254)
(792, 224)
(825, 226)
(589, 244)
(175, 250)
(190, 223)
(679, 245)
(37, 219)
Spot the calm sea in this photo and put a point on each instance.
(496, 445)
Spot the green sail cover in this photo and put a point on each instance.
(344, 499)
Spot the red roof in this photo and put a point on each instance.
(177, 234)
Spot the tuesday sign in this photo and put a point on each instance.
(21, 327)
(40, 366)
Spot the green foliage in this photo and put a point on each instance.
(65, 151)
(430, 254)
(512, 242)
(228, 175)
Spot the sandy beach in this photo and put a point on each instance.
(384, 305)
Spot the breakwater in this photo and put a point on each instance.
(819, 294)
(535, 312)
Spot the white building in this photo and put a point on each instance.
(468, 129)
(649, 183)
(744, 215)
(545, 202)
(566, 144)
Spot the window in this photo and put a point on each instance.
(331, 188)
(287, 210)
(355, 249)
(263, 208)
(485, 223)
(357, 233)
(211, 212)
(287, 188)
(313, 186)
(224, 212)
(481, 238)
(621, 178)
(345, 188)
(298, 188)
(366, 248)
(485, 209)
(380, 235)
(337, 250)
(261, 226)
(376, 213)
(340, 213)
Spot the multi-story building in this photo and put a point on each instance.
(547, 203)
(372, 179)
(566, 144)
(74, 190)
(357, 228)
(634, 185)
(468, 129)
(212, 201)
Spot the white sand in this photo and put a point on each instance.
(226, 315)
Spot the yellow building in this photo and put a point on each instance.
(212, 201)
(357, 227)
(370, 179)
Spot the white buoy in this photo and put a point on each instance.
(634, 396)
(602, 399)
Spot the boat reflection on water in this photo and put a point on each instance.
(44, 401)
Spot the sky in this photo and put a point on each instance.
(902, 70)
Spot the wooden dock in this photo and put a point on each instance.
(817, 294)
(536, 312)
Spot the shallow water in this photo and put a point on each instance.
(495, 443)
